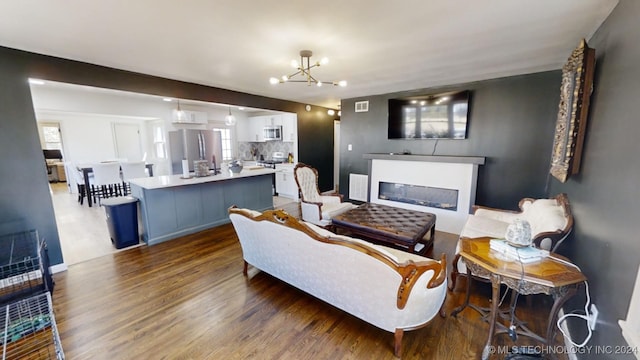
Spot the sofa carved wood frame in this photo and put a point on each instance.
(556, 237)
(409, 271)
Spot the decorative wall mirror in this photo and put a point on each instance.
(575, 93)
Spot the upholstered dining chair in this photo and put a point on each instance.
(106, 180)
(75, 176)
(317, 208)
(131, 170)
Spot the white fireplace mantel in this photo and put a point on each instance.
(449, 172)
(478, 160)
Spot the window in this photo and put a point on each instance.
(159, 142)
(227, 149)
(51, 137)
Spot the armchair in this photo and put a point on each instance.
(317, 208)
(551, 222)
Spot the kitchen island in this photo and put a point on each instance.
(171, 207)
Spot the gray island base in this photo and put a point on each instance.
(171, 207)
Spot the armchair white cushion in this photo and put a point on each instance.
(550, 220)
(317, 208)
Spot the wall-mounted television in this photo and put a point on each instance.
(432, 116)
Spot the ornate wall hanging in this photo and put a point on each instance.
(575, 93)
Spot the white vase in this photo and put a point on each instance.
(519, 233)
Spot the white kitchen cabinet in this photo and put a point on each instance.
(252, 130)
(272, 120)
(285, 182)
(256, 128)
(243, 131)
(289, 127)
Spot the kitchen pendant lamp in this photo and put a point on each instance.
(304, 70)
(179, 113)
(229, 120)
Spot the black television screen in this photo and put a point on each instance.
(436, 116)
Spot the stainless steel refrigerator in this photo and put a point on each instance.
(194, 145)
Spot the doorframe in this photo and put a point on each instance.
(336, 155)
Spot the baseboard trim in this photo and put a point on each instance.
(58, 268)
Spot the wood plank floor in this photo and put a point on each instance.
(187, 299)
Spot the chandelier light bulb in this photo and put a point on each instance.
(319, 84)
(339, 112)
(324, 61)
(274, 81)
(294, 64)
(342, 83)
(331, 112)
(285, 78)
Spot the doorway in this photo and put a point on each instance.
(336, 155)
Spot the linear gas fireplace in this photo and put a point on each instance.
(441, 185)
(419, 195)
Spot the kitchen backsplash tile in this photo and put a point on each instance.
(263, 148)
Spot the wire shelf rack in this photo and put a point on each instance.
(23, 266)
(29, 330)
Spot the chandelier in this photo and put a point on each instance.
(304, 70)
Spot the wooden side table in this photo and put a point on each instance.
(554, 275)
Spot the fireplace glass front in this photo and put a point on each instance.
(440, 198)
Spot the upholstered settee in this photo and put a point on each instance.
(388, 288)
(551, 222)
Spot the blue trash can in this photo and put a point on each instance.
(122, 220)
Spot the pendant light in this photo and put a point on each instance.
(230, 120)
(179, 113)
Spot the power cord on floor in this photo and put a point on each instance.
(584, 317)
(513, 334)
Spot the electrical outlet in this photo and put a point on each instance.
(593, 316)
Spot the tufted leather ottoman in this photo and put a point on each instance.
(402, 228)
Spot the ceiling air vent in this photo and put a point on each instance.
(362, 106)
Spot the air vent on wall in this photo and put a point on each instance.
(362, 106)
(358, 187)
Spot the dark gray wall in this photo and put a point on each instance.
(605, 196)
(511, 123)
(25, 202)
(315, 148)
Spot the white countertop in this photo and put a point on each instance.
(166, 181)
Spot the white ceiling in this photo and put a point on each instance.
(377, 46)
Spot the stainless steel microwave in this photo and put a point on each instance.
(273, 133)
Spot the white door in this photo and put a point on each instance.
(127, 141)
